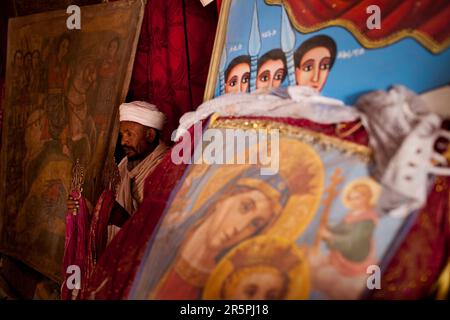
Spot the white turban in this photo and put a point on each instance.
(143, 113)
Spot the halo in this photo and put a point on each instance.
(274, 252)
(301, 170)
(375, 188)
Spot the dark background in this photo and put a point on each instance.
(170, 70)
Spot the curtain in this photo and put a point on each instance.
(428, 21)
(172, 59)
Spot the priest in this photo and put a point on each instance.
(140, 127)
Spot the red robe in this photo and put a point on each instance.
(176, 288)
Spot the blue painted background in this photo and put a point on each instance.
(405, 62)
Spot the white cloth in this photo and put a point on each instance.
(294, 102)
(402, 133)
(398, 122)
(143, 113)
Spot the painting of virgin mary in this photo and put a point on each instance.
(243, 208)
(194, 237)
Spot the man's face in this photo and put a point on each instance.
(33, 134)
(28, 60)
(270, 74)
(18, 59)
(136, 139)
(238, 78)
(89, 74)
(36, 59)
(112, 48)
(63, 48)
(314, 68)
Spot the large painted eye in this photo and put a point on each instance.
(265, 76)
(257, 223)
(325, 64)
(245, 77)
(307, 67)
(247, 205)
(279, 74)
(233, 81)
(250, 290)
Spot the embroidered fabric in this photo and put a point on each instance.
(402, 133)
(292, 102)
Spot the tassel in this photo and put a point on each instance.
(442, 285)
(75, 246)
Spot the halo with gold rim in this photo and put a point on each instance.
(299, 161)
(262, 252)
(375, 188)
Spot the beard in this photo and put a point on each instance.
(134, 155)
(139, 151)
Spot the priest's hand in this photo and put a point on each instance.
(72, 204)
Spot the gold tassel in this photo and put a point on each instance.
(442, 285)
(213, 118)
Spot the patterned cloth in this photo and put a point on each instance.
(172, 58)
(131, 189)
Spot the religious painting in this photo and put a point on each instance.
(341, 49)
(309, 230)
(63, 89)
(27, 7)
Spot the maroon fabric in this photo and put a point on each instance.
(218, 2)
(167, 72)
(98, 231)
(75, 248)
(423, 253)
(430, 18)
(119, 262)
(117, 267)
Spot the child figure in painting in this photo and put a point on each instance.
(342, 273)
(264, 268)
(256, 283)
(350, 242)
(240, 212)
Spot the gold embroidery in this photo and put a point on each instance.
(77, 182)
(305, 135)
(442, 285)
(190, 274)
(342, 131)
